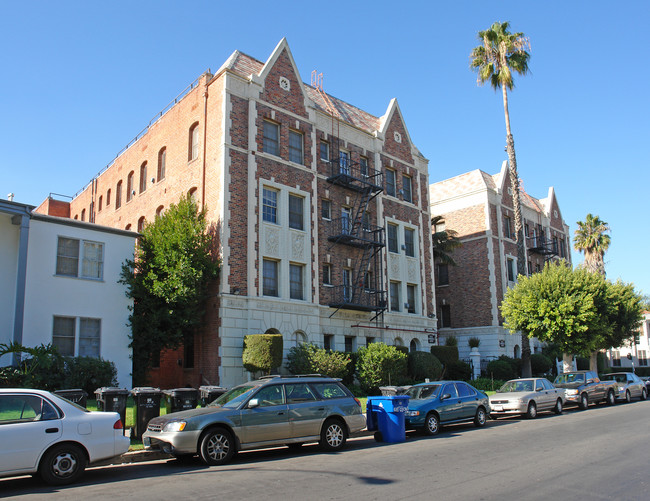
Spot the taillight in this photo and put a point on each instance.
(118, 425)
(357, 401)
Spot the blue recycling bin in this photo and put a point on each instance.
(387, 415)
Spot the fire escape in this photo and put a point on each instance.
(540, 244)
(361, 288)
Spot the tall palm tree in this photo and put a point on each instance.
(443, 241)
(501, 54)
(590, 238)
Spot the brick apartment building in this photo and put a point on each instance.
(322, 211)
(478, 206)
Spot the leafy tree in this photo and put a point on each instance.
(591, 239)
(500, 54)
(168, 282)
(379, 364)
(444, 242)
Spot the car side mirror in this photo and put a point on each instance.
(589, 381)
(253, 402)
(538, 389)
(446, 396)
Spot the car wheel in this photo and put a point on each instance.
(62, 464)
(217, 447)
(644, 394)
(432, 424)
(481, 417)
(611, 399)
(531, 413)
(584, 401)
(628, 397)
(558, 406)
(332, 436)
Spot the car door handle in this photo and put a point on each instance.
(321, 408)
(51, 430)
(281, 413)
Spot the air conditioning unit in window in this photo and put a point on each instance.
(403, 247)
(406, 306)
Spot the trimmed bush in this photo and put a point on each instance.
(501, 369)
(540, 364)
(487, 384)
(446, 354)
(380, 365)
(299, 359)
(402, 349)
(89, 374)
(458, 370)
(262, 352)
(423, 365)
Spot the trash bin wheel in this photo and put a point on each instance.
(62, 464)
(432, 424)
(217, 446)
(332, 436)
(378, 437)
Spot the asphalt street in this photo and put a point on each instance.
(601, 453)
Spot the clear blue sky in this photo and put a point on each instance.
(78, 80)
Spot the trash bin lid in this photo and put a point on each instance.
(112, 390)
(145, 390)
(212, 388)
(176, 392)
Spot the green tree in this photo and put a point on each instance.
(379, 365)
(592, 240)
(168, 282)
(500, 54)
(443, 241)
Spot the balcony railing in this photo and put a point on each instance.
(542, 245)
(353, 175)
(345, 231)
(357, 298)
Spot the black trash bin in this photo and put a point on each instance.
(78, 396)
(112, 399)
(147, 407)
(209, 393)
(180, 399)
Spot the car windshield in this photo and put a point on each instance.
(570, 378)
(418, 392)
(235, 396)
(525, 385)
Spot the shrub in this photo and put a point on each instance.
(458, 370)
(446, 354)
(262, 352)
(540, 364)
(299, 359)
(89, 374)
(380, 365)
(487, 384)
(402, 349)
(423, 365)
(501, 369)
(330, 363)
(474, 342)
(41, 367)
(451, 341)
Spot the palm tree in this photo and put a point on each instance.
(591, 239)
(444, 242)
(500, 54)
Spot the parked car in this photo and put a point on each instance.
(629, 385)
(43, 433)
(527, 397)
(646, 381)
(432, 405)
(271, 411)
(585, 387)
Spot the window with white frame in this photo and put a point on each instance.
(68, 258)
(270, 205)
(643, 357)
(295, 147)
(410, 298)
(390, 183)
(363, 166)
(63, 335)
(89, 337)
(409, 245)
(271, 142)
(347, 285)
(296, 217)
(394, 296)
(407, 193)
(327, 274)
(193, 149)
(616, 358)
(344, 162)
(391, 236)
(296, 286)
(326, 209)
(270, 278)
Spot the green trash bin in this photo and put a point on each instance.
(146, 407)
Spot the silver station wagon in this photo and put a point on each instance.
(272, 411)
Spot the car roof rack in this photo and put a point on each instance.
(291, 376)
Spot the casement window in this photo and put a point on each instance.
(67, 258)
(296, 212)
(407, 193)
(129, 187)
(271, 142)
(347, 285)
(296, 285)
(270, 278)
(394, 296)
(410, 298)
(162, 159)
(346, 220)
(409, 245)
(390, 183)
(507, 227)
(324, 151)
(326, 209)
(143, 177)
(391, 236)
(89, 337)
(363, 166)
(443, 274)
(327, 274)
(510, 268)
(64, 336)
(193, 140)
(295, 147)
(270, 205)
(118, 195)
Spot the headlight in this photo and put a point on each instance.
(572, 392)
(175, 426)
(412, 413)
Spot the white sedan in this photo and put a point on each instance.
(526, 397)
(43, 433)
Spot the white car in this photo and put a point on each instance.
(527, 397)
(43, 433)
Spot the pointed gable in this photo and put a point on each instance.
(553, 210)
(397, 141)
(282, 84)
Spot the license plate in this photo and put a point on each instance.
(497, 408)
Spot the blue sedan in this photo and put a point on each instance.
(432, 405)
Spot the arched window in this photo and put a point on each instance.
(399, 341)
(118, 195)
(192, 194)
(128, 227)
(272, 331)
(415, 345)
(143, 177)
(140, 224)
(108, 197)
(159, 211)
(162, 157)
(193, 147)
(129, 187)
(299, 338)
(76, 216)
(83, 214)
(99, 206)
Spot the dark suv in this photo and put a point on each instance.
(271, 411)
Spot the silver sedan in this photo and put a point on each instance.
(629, 385)
(527, 397)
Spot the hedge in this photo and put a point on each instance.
(262, 352)
(446, 354)
(423, 365)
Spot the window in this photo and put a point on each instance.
(271, 142)
(328, 341)
(363, 166)
(118, 195)
(526, 230)
(562, 247)
(270, 205)
(510, 268)
(530, 268)
(409, 247)
(140, 224)
(555, 245)
(295, 147)
(143, 177)
(410, 298)
(390, 182)
(392, 238)
(329, 390)
(443, 274)
(296, 281)
(326, 209)
(129, 187)
(643, 358)
(67, 258)
(507, 227)
(327, 274)
(128, 227)
(159, 210)
(89, 337)
(296, 219)
(440, 226)
(465, 390)
(394, 296)
(83, 214)
(344, 162)
(192, 194)
(162, 158)
(63, 335)
(270, 395)
(193, 147)
(349, 344)
(346, 216)
(347, 285)
(108, 197)
(324, 151)
(445, 316)
(99, 206)
(537, 268)
(616, 358)
(188, 351)
(300, 392)
(406, 189)
(369, 341)
(270, 278)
